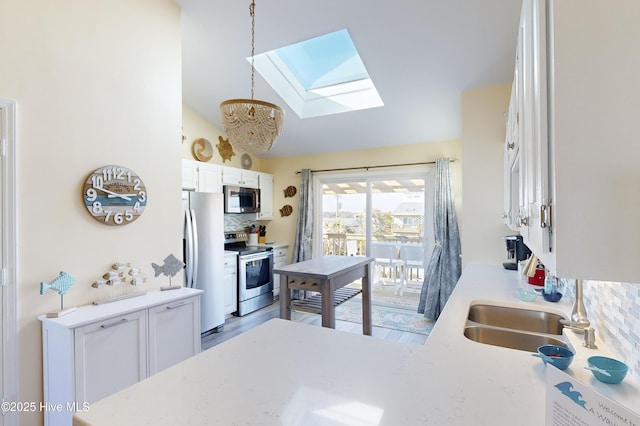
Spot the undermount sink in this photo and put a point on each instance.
(510, 338)
(514, 328)
(516, 319)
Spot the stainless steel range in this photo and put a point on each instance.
(255, 273)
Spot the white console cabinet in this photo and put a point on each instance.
(98, 350)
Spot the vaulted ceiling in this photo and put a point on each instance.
(421, 55)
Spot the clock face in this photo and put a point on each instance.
(114, 195)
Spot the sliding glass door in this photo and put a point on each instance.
(385, 214)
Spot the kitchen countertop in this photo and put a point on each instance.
(450, 380)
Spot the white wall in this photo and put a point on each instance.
(483, 132)
(96, 82)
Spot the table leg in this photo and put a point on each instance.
(366, 299)
(285, 298)
(328, 310)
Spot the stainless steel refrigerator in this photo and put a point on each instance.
(204, 254)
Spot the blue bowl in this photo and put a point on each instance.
(616, 368)
(552, 297)
(559, 356)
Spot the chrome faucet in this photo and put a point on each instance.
(579, 321)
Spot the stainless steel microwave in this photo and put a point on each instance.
(238, 199)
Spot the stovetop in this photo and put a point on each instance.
(237, 241)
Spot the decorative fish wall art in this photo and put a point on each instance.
(286, 210)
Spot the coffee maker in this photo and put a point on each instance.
(517, 250)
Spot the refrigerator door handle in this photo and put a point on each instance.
(194, 258)
(191, 250)
(188, 237)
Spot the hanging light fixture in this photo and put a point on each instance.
(251, 125)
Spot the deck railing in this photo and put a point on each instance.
(355, 245)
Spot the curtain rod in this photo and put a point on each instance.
(372, 167)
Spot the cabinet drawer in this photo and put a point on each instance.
(169, 339)
(280, 253)
(110, 355)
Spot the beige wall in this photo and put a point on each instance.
(96, 82)
(282, 229)
(483, 132)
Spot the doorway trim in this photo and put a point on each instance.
(8, 274)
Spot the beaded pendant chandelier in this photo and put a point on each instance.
(251, 125)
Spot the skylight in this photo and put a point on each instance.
(319, 76)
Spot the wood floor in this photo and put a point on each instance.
(237, 325)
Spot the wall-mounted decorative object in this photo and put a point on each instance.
(246, 161)
(202, 150)
(290, 191)
(286, 210)
(252, 125)
(60, 284)
(114, 195)
(112, 280)
(225, 149)
(170, 268)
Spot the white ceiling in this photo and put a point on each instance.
(421, 55)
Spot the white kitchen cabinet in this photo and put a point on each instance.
(168, 342)
(230, 282)
(266, 196)
(511, 161)
(534, 175)
(96, 351)
(239, 177)
(189, 175)
(209, 178)
(280, 258)
(201, 177)
(578, 149)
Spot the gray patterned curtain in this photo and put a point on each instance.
(445, 266)
(302, 245)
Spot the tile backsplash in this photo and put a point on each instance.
(614, 311)
(238, 222)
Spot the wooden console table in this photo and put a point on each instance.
(327, 275)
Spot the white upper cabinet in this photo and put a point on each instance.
(578, 150)
(209, 178)
(189, 175)
(201, 177)
(266, 196)
(239, 177)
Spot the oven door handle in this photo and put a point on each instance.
(256, 256)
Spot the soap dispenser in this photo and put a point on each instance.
(550, 284)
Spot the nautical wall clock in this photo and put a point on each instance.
(114, 195)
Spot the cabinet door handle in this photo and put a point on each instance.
(511, 145)
(113, 324)
(524, 221)
(177, 305)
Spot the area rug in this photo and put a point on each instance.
(385, 317)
